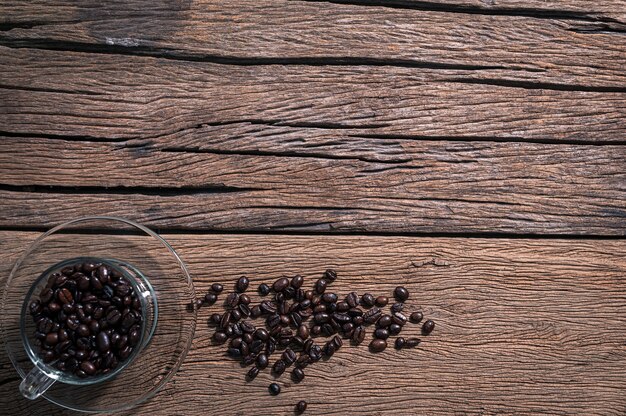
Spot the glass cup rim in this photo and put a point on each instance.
(61, 376)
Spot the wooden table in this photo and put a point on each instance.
(471, 150)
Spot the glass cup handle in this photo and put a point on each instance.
(35, 384)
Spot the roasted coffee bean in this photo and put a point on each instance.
(321, 318)
(394, 329)
(401, 294)
(320, 286)
(274, 389)
(329, 297)
(300, 295)
(368, 300)
(274, 332)
(83, 330)
(273, 321)
(309, 294)
(261, 334)
(341, 318)
(297, 374)
(296, 319)
(232, 299)
(337, 341)
(52, 307)
(416, 317)
(283, 308)
(113, 316)
(328, 330)
(289, 357)
(382, 301)
(249, 339)
(359, 335)
(255, 312)
(331, 308)
(46, 295)
(215, 319)
(303, 331)
(372, 315)
(412, 342)
(335, 325)
(354, 312)
(88, 367)
(428, 327)
(330, 275)
(303, 360)
(305, 303)
(242, 284)
(284, 320)
(296, 282)
(248, 359)
(264, 289)
(94, 327)
(244, 349)
(352, 299)
(348, 329)
(104, 344)
(378, 345)
(217, 287)
(225, 319)
(122, 290)
(316, 330)
(52, 338)
(63, 335)
(301, 407)
(244, 310)
(134, 336)
(64, 296)
(381, 333)
(329, 349)
(342, 306)
(279, 298)
(261, 361)
(279, 367)
(308, 344)
(399, 318)
(280, 284)
(289, 292)
(210, 298)
(319, 309)
(234, 352)
(237, 330)
(271, 346)
(228, 331)
(315, 353)
(252, 373)
(306, 313)
(268, 307)
(400, 343)
(244, 299)
(384, 321)
(397, 307)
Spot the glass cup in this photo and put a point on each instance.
(165, 291)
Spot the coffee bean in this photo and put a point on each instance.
(296, 319)
(320, 286)
(412, 342)
(274, 389)
(113, 316)
(315, 353)
(236, 328)
(134, 336)
(283, 308)
(289, 357)
(328, 330)
(264, 289)
(232, 299)
(279, 298)
(261, 361)
(104, 344)
(428, 327)
(52, 307)
(341, 318)
(381, 333)
(249, 339)
(416, 317)
(352, 299)
(303, 331)
(210, 298)
(46, 295)
(359, 335)
(354, 312)
(378, 345)
(319, 309)
(368, 300)
(280, 284)
(400, 343)
(279, 367)
(321, 317)
(225, 319)
(342, 306)
(297, 281)
(252, 373)
(215, 318)
(217, 287)
(303, 360)
(268, 307)
(244, 349)
(372, 315)
(329, 349)
(394, 329)
(316, 330)
(244, 299)
(329, 297)
(301, 407)
(261, 334)
(384, 321)
(330, 275)
(83, 330)
(284, 320)
(52, 338)
(297, 374)
(88, 367)
(397, 307)
(401, 294)
(381, 301)
(273, 320)
(234, 352)
(399, 318)
(255, 312)
(242, 284)
(309, 295)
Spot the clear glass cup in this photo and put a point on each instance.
(165, 290)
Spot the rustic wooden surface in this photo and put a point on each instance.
(269, 137)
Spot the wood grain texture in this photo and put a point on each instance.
(584, 51)
(112, 96)
(523, 327)
(271, 178)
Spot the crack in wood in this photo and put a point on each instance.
(125, 190)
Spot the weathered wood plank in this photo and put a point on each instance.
(524, 327)
(258, 177)
(572, 53)
(112, 96)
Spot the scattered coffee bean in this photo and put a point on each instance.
(264, 289)
(397, 307)
(320, 286)
(330, 275)
(297, 282)
(301, 407)
(412, 342)
(217, 288)
(384, 321)
(297, 374)
(394, 329)
(280, 284)
(252, 373)
(274, 389)
(242, 284)
(399, 318)
(416, 317)
(428, 327)
(400, 343)
(378, 345)
(232, 299)
(279, 367)
(401, 294)
(262, 361)
(381, 333)
(220, 337)
(210, 298)
(382, 301)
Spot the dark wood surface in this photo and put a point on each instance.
(473, 150)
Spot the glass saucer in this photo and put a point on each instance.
(143, 253)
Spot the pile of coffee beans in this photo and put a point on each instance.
(88, 319)
(294, 318)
